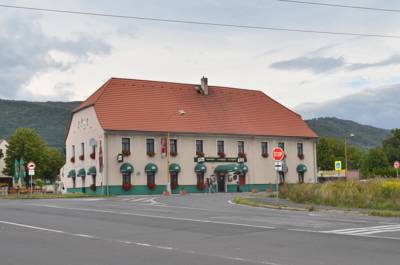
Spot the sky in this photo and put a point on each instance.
(62, 57)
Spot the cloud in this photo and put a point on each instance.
(313, 64)
(27, 51)
(393, 60)
(377, 107)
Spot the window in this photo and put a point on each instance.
(83, 184)
(94, 180)
(220, 147)
(150, 146)
(126, 178)
(199, 146)
(240, 147)
(300, 149)
(264, 148)
(126, 145)
(94, 149)
(83, 149)
(173, 145)
(301, 177)
(73, 151)
(282, 145)
(151, 179)
(73, 182)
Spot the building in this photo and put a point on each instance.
(4, 180)
(117, 139)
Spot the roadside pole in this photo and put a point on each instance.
(278, 155)
(396, 165)
(31, 173)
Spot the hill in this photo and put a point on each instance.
(48, 118)
(365, 136)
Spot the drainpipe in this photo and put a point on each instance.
(315, 161)
(106, 151)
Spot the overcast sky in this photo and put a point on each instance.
(47, 56)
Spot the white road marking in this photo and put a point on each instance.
(83, 235)
(33, 227)
(152, 216)
(365, 230)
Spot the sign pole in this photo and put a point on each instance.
(31, 186)
(277, 187)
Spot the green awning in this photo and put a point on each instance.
(243, 168)
(126, 168)
(222, 169)
(92, 171)
(72, 173)
(301, 168)
(81, 172)
(174, 168)
(200, 167)
(150, 167)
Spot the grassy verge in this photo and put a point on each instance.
(380, 197)
(49, 196)
(255, 203)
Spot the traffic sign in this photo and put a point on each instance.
(278, 166)
(278, 154)
(338, 165)
(31, 165)
(396, 164)
(31, 172)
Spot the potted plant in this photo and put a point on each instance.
(72, 159)
(199, 154)
(151, 153)
(152, 186)
(126, 186)
(301, 156)
(221, 154)
(93, 155)
(174, 185)
(93, 187)
(242, 155)
(265, 155)
(173, 153)
(126, 152)
(81, 157)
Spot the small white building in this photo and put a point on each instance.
(143, 137)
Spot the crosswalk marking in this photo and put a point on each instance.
(361, 231)
(145, 200)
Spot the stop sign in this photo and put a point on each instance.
(278, 154)
(396, 164)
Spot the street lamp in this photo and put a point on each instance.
(180, 113)
(345, 153)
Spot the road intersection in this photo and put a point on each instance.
(193, 229)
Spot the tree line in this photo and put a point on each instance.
(377, 161)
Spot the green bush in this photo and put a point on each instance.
(381, 194)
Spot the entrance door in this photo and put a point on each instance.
(221, 183)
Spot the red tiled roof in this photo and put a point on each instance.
(141, 105)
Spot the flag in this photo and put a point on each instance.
(100, 157)
(16, 171)
(163, 146)
(22, 169)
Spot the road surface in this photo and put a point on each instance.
(188, 230)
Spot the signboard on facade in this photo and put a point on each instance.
(221, 159)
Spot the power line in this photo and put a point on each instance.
(203, 23)
(341, 6)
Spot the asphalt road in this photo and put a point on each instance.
(188, 230)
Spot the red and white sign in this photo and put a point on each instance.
(396, 164)
(278, 154)
(31, 166)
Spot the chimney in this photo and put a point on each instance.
(204, 86)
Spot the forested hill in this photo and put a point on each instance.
(48, 118)
(365, 136)
(51, 118)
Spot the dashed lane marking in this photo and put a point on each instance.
(361, 231)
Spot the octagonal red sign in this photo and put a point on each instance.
(278, 154)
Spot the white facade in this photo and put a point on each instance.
(85, 129)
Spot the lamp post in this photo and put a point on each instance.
(345, 154)
(169, 189)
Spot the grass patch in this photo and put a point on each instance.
(384, 213)
(255, 203)
(376, 194)
(49, 196)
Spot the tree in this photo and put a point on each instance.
(54, 161)
(374, 161)
(391, 146)
(27, 144)
(1, 153)
(330, 150)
